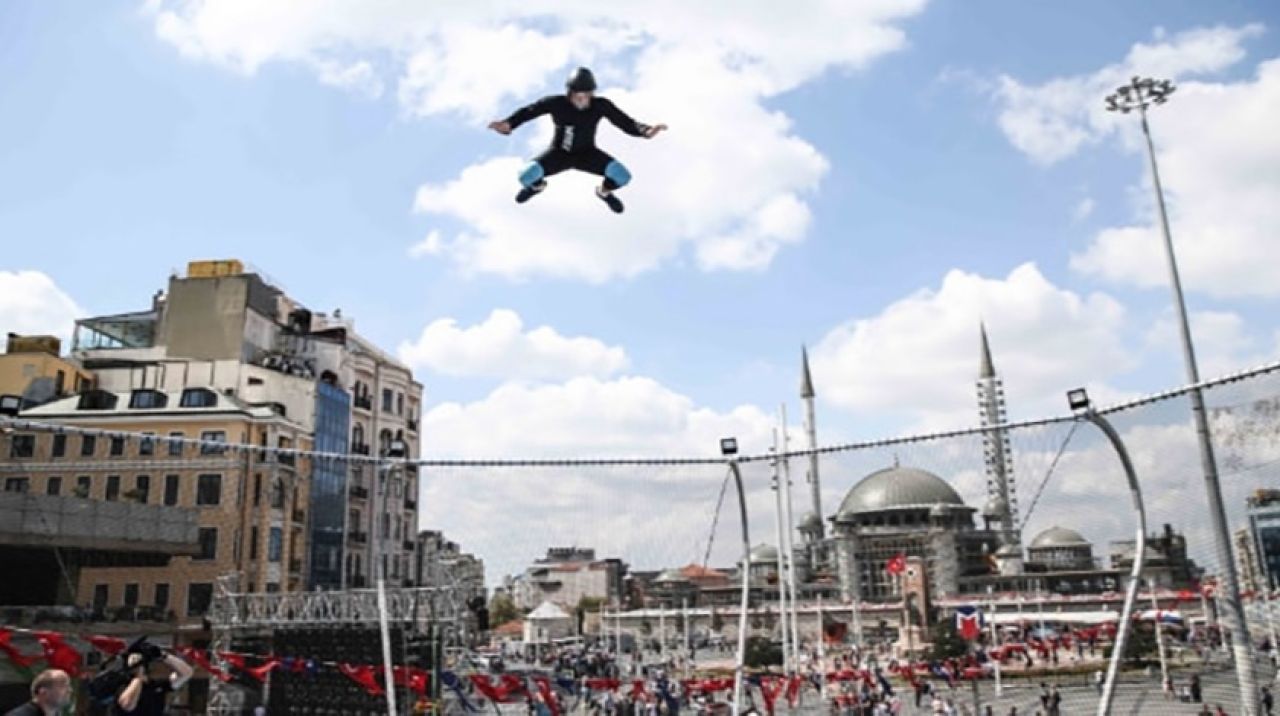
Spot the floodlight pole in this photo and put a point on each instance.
(746, 590)
(1139, 94)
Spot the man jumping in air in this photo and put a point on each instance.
(576, 114)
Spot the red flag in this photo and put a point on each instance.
(544, 690)
(362, 674)
(793, 689)
(235, 661)
(259, 673)
(897, 564)
(18, 658)
(769, 688)
(58, 653)
(108, 645)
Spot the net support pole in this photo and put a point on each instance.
(740, 660)
(1139, 559)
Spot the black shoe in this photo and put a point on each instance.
(612, 200)
(528, 192)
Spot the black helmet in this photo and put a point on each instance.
(581, 81)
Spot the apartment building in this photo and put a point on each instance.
(33, 371)
(229, 329)
(252, 505)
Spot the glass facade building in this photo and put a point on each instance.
(329, 487)
(1264, 523)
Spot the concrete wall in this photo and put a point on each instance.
(205, 318)
(33, 519)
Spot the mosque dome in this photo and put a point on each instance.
(896, 488)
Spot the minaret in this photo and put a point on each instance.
(811, 430)
(1002, 495)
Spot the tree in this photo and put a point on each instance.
(947, 642)
(761, 652)
(1141, 643)
(502, 609)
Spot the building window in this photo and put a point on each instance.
(147, 399)
(257, 489)
(386, 400)
(212, 436)
(88, 445)
(131, 594)
(275, 542)
(208, 490)
(399, 403)
(17, 484)
(113, 487)
(53, 486)
(162, 596)
(253, 542)
(59, 446)
(198, 398)
(199, 596)
(147, 445)
(22, 446)
(142, 488)
(175, 446)
(59, 382)
(101, 595)
(208, 544)
(277, 495)
(117, 445)
(84, 486)
(171, 490)
(273, 587)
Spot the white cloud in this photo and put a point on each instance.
(31, 303)
(358, 77)
(1053, 120)
(1220, 167)
(1223, 341)
(919, 356)
(1083, 210)
(728, 183)
(432, 245)
(501, 347)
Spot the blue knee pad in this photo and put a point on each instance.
(617, 173)
(531, 174)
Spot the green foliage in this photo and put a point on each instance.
(590, 604)
(947, 642)
(1140, 645)
(762, 652)
(502, 609)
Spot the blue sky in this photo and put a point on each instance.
(128, 153)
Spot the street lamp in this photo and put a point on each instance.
(729, 449)
(1078, 399)
(1139, 94)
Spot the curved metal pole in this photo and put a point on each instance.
(1139, 560)
(746, 590)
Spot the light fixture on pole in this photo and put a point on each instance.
(1139, 94)
(729, 449)
(1078, 399)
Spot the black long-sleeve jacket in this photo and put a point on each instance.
(576, 128)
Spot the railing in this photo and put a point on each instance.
(285, 458)
(363, 402)
(410, 545)
(358, 492)
(360, 449)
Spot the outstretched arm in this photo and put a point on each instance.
(522, 115)
(623, 121)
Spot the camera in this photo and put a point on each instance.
(116, 673)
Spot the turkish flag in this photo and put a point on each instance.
(897, 564)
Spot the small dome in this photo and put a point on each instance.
(810, 522)
(898, 487)
(1059, 537)
(764, 554)
(995, 507)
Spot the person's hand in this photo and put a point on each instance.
(503, 128)
(652, 131)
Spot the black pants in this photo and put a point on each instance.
(592, 161)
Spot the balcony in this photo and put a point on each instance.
(413, 425)
(358, 537)
(363, 402)
(410, 504)
(358, 492)
(285, 458)
(356, 582)
(360, 449)
(410, 545)
(300, 516)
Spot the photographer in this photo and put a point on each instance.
(146, 695)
